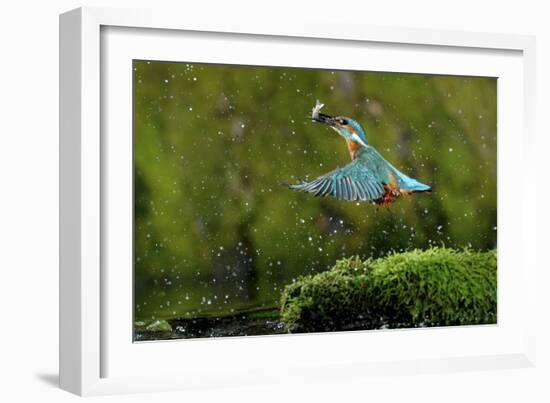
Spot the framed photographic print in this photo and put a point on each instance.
(232, 197)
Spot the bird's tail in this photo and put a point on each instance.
(413, 185)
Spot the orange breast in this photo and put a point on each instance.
(353, 147)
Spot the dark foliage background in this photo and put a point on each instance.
(215, 232)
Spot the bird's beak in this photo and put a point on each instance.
(327, 119)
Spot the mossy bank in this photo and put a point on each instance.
(436, 287)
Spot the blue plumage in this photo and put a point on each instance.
(368, 177)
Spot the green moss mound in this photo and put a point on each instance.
(436, 287)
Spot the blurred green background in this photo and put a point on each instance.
(216, 233)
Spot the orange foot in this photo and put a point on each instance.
(387, 198)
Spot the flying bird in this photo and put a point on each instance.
(368, 177)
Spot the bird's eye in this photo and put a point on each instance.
(343, 122)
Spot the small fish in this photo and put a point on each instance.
(316, 109)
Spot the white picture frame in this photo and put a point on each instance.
(96, 354)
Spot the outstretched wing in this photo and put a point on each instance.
(352, 182)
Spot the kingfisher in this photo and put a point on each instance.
(368, 177)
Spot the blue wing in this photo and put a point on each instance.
(352, 182)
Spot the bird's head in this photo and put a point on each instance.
(344, 126)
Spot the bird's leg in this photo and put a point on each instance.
(386, 200)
